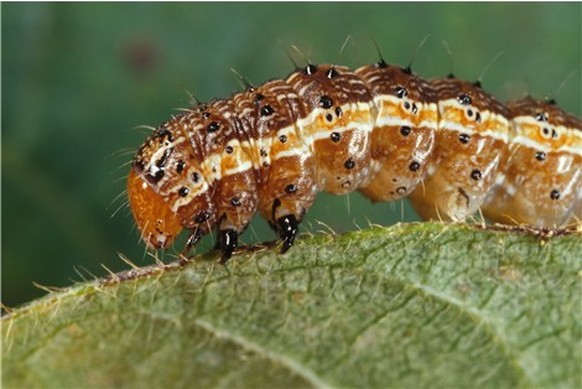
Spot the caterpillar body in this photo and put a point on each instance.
(449, 146)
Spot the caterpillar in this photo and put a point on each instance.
(447, 144)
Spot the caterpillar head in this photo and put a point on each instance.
(157, 223)
(166, 187)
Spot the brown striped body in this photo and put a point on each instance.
(472, 132)
(541, 184)
(380, 129)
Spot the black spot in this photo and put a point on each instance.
(405, 130)
(156, 176)
(401, 92)
(332, 73)
(283, 138)
(310, 69)
(329, 117)
(555, 194)
(540, 155)
(213, 127)
(381, 64)
(414, 108)
(263, 153)
(180, 166)
(464, 99)
(394, 179)
(464, 138)
(349, 164)
(202, 217)
(266, 164)
(554, 133)
(401, 190)
(546, 131)
(552, 101)
(267, 110)
(469, 112)
(335, 136)
(195, 177)
(476, 174)
(407, 69)
(291, 188)
(414, 166)
(478, 117)
(160, 163)
(228, 150)
(235, 202)
(338, 112)
(205, 115)
(407, 105)
(541, 117)
(183, 191)
(477, 84)
(325, 102)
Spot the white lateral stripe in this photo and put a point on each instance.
(383, 121)
(291, 152)
(527, 142)
(181, 201)
(452, 126)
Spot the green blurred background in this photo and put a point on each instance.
(78, 78)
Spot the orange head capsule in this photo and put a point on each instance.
(157, 223)
(167, 186)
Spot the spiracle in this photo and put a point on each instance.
(448, 145)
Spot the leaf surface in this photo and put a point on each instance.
(413, 305)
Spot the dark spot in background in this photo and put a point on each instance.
(141, 56)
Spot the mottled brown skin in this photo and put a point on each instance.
(463, 168)
(343, 163)
(400, 153)
(274, 147)
(541, 187)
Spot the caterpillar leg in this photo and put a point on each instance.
(287, 227)
(227, 242)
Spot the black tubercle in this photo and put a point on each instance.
(331, 73)
(325, 102)
(310, 69)
(401, 92)
(464, 99)
(405, 130)
(213, 127)
(407, 69)
(227, 242)
(266, 110)
(287, 227)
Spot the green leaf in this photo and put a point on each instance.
(414, 305)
